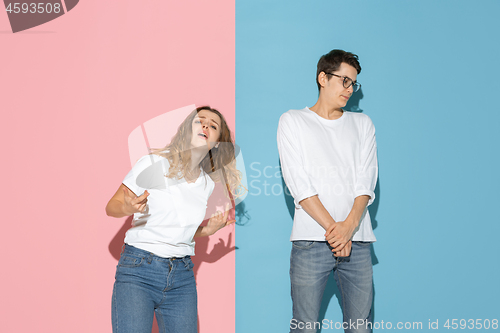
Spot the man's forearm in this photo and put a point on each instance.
(357, 210)
(317, 211)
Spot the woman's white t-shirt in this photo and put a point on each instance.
(174, 211)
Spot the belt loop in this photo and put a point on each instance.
(123, 246)
(186, 260)
(150, 258)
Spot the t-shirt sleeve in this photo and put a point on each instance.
(147, 173)
(367, 170)
(292, 164)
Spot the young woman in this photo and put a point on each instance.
(167, 192)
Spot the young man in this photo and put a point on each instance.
(329, 163)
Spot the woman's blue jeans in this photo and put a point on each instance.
(310, 266)
(146, 284)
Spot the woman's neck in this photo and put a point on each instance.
(197, 155)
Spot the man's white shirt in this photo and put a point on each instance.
(334, 159)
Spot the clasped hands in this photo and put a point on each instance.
(339, 235)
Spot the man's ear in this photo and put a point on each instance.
(322, 79)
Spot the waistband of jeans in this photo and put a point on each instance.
(133, 249)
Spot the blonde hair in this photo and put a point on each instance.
(222, 158)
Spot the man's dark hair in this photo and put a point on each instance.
(331, 61)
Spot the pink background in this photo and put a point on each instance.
(72, 91)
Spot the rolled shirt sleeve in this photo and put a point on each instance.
(367, 170)
(292, 164)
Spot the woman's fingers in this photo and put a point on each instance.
(230, 222)
(138, 203)
(141, 199)
(226, 213)
(219, 220)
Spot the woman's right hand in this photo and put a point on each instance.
(133, 203)
(125, 203)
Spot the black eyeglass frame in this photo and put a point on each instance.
(355, 84)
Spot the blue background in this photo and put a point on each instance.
(430, 72)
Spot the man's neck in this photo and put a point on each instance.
(326, 111)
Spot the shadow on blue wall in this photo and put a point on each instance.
(353, 103)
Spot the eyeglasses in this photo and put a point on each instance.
(348, 82)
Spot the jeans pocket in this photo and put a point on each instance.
(130, 260)
(302, 244)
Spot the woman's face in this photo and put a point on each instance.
(206, 129)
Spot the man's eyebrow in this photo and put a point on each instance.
(350, 79)
(203, 117)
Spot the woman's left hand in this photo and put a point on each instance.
(219, 220)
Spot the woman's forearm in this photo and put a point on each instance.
(202, 232)
(115, 208)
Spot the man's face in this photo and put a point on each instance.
(333, 88)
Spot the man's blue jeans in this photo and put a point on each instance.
(310, 266)
(146, 284)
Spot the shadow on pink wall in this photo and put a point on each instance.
(156, 133)
(219, 250)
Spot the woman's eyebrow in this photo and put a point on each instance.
(203, 117)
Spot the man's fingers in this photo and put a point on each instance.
(329, 237)
(332, 238)
(346, 251)
(342, 253)
(330, 229)
(338, 246)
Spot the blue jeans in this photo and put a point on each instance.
(146, 284)
(310, 266)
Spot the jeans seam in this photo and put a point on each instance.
(159, 319)
(170, 275)
(341, 289)
(115, 324)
